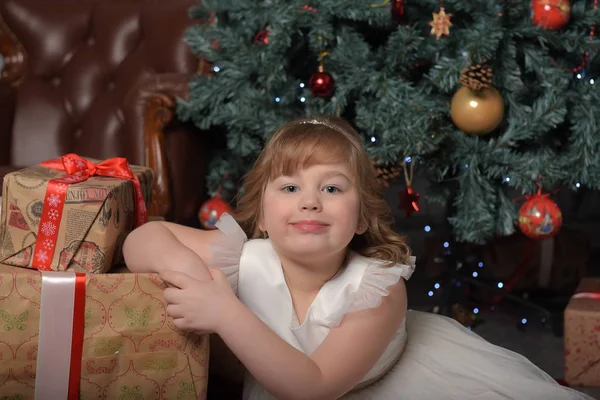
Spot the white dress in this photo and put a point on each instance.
(431, 356)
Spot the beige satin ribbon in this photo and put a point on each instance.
(56, 328)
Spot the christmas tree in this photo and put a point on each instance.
(489, 97)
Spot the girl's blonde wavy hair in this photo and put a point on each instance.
(324, 140)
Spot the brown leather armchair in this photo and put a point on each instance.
(100, 78)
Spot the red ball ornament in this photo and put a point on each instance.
(539, 216)
(398, 11)
(262, 37)
(409, 201)
(550, 14)
(211, 211)
(321, 83)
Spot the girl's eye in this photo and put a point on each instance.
(331, 189)
(290, 189)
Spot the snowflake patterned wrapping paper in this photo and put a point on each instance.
(87, 229)
(582, 335)
(131, 350)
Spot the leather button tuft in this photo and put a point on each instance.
(91, 41)
(56, 82)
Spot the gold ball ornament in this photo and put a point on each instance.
(477, 112)
(477, 107)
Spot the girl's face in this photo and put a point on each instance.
(313, 212)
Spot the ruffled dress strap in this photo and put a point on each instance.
(373, 287)
(226, 249)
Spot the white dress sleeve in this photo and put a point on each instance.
(226, 250)
(373, 287)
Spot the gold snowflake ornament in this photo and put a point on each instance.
(441, 24)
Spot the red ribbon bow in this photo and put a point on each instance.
(117, 167)
(78, 170)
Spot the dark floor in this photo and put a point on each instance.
(536, 340)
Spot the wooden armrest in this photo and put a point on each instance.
(14, 56)
(151, 104)
(160, 109)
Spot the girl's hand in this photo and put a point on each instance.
(199, 306)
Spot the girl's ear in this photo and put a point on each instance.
(261, 223)
(263, 231)
(361, 228)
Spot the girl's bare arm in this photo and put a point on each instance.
(159, 246)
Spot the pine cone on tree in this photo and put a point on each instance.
(387, 173)
(477, 77)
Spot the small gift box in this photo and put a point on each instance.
(69, 336)
(71, 213)
(582, 335)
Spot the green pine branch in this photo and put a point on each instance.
(395, 84)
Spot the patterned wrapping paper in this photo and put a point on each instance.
(131, 350)
(582, 335)
(97, 216)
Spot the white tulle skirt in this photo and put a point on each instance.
(443, 360)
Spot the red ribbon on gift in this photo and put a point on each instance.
(78, 170)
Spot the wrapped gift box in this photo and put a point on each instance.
(130, 348)
(582, 335)
(81, 226)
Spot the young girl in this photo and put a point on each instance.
(313, 304)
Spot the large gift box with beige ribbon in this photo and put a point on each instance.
(72, 213)
(582, 335)
(67, 335)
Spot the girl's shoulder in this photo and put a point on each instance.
(229, 226)
(226, 248)
(364, 283)
(381, 271)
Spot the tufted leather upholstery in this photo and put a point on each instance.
(77, 76)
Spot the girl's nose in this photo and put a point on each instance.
(310, 202)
